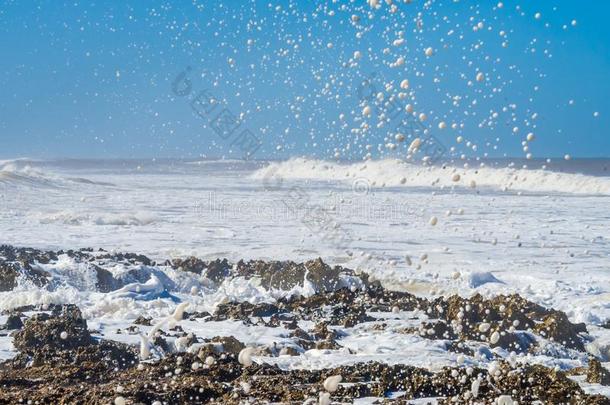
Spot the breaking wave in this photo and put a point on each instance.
(118, 219)
(391, 172)
(21, 172)
(18, 172)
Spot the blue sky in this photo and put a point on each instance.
(83, 79)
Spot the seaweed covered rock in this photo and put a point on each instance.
(287, 274)
(557, 327)
(477, 318)
(64, 329)
(215, 270)
(596, 373)
(62, 338)
(244, 310)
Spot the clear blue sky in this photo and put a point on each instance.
(94, 79)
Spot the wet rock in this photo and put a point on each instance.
(190, 264)
(289, 351)
(436, 330)
(596, 373)
(218, 381)
(537, 382)
(13, 322)
(131, 258)
(244, 310)
(62, 338)
(327, 344)
(337, 308)
(287, 274)
(216, 270)
(322, 332)
(26, 255)
(8, 276)
(229, 344)
(518, 342)
(65, 329)
(106, 281)
(142, 320)
(196, 315)
(459, 347)
(300, 334)
(161, 343)
(558, 328)
(10, 273)
(501, 313)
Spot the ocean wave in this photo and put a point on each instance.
(118, 219)
(23, 172)
(20, 172)
(391, 172)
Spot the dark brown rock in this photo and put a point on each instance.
(596, 373)
(42, 331)
(229, 344)
(13, 322)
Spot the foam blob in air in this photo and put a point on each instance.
(415, 144)
(245, 356)
(178, 314)
(474, 387)
(504, 400)
(332, 383)
(484, 327)
(144, 347)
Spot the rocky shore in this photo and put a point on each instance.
(59, 359)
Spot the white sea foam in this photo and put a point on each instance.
(392, 172)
